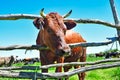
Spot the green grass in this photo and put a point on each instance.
(104, 74)
(100, 74)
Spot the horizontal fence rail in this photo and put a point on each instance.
(31, 16)
(39, 47)
(59, 64)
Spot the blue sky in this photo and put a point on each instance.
(23, 31)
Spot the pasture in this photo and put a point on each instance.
(100, 74)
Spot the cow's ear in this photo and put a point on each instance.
(70, 24)
(38, 23)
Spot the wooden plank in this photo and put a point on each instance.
(39, 47)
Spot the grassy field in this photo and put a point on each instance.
(101, 74)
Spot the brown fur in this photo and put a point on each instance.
(59, 37)
(6, 61)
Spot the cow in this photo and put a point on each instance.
(112, 54)
(6, 61)
(16, 60)
(99, 54)
(56, 34)
(30, 60)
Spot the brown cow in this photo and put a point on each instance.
(99, 54)
(30, 60)
(6, 61)
(56, 34)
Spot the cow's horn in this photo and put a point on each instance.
(42, 13)
(68, 14)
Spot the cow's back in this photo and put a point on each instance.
(77, 52)
(73, 37)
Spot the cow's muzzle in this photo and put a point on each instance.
(63, 52)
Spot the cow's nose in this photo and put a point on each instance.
(62, 52)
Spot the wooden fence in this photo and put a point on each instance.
(11, 71)
(102, 64)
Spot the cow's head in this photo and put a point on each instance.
(53, 30)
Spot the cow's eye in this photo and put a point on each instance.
(49, 31)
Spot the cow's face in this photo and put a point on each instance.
(53, 30)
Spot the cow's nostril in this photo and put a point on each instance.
(63, 52)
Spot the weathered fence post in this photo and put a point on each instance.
(115, 15)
